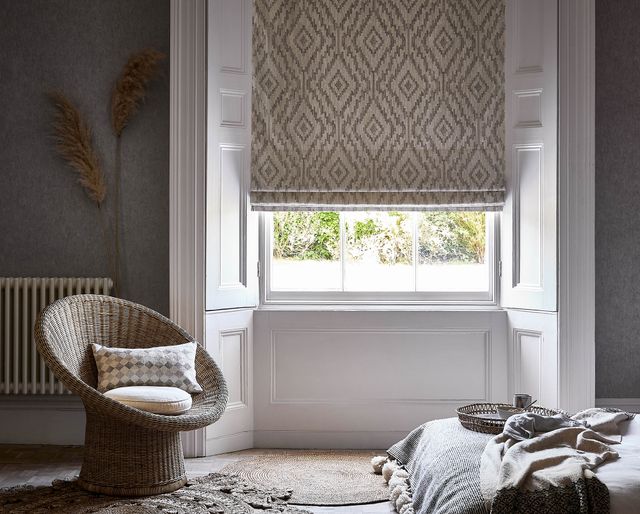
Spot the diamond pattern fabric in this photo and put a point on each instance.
(373, 104)
(172, 366)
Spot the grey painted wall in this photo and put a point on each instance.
(48, 227)
(617, 200)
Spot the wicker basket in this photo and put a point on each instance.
(474, 417)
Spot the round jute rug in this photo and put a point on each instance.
(316, 477)
(214, 493)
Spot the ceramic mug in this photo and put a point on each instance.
(521, 400)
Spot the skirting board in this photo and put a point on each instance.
(58, 420)
(628, 404)
(326, 440)
(40, 403)
(229, 443)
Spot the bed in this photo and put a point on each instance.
(443, 461)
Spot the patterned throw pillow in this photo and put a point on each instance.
(172, 366)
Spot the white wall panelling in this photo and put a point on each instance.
(383, 353)
(528, 224)
(533, 351)
(528, 239)
(527, 347)
(576, 223)
(558, 65)
(232, 238)
(187, 167)
(232, 35)
(233, 349)
(233, 112)
(529, 221)
(187, 163)
(528, 108)
(230, 206)
(345, 378)
(210, 137)
(230, 343)
(527, 20)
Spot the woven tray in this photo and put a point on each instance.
(483, 417)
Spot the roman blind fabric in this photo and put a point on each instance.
(378, 104)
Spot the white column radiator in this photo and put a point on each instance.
(22, 371)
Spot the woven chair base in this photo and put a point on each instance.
(122, 459)
(125, 492)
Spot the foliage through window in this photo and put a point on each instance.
(377, 251)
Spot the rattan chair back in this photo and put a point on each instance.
(128, 451)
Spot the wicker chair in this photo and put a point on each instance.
(127, 452)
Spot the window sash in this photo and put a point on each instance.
(275, 297)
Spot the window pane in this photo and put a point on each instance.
(452, 249)
(306, 251)
(379, 251)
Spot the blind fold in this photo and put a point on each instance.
(378, 104)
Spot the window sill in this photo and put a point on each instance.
(380, 306)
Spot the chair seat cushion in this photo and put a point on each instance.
(156, 399)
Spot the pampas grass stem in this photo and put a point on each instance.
(117, 207)
(129, 92)
(73, 143)
(106, 235)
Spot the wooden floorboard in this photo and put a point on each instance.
(39, 465)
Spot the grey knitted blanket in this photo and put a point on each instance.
(443, 461)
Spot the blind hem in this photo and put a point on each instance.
(381, 201)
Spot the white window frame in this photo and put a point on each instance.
(269, 297)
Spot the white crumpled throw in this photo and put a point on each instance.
(550, 459)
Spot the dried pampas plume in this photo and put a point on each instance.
(131, 87)
(73, 143)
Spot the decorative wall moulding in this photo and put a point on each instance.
(235, 358)
(232, 108)
(528, 108)
(414, 366)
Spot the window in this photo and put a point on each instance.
(378, 256)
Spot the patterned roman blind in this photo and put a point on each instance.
(378, 104)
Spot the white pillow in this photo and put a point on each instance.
(172, 366)
(157, 399)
